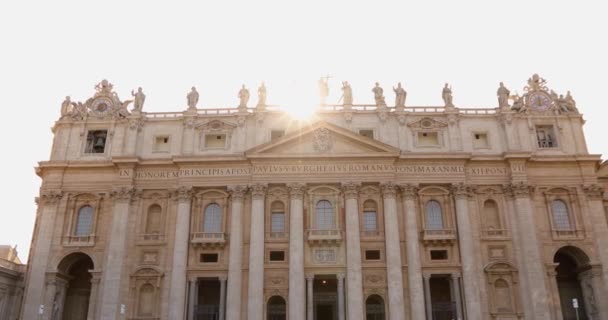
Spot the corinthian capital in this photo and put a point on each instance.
(122, 193)
(519, 190)
(237, 192)
(50, 196)
(409, 191)
(389, 189)
(461, 190)
(258, 191)
(182, 194)
(593, 191)
(351, 189)
(296, 190)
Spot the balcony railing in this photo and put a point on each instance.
(277, 236)
(324, 236)
(212, 239)
(151, 237)
(439, 235)
(372, 234)
(495, 233)
(79, 241)
(567, 234)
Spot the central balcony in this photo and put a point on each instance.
(208, 239)
(324, 236)
(438, 236)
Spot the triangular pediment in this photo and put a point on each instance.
(323, 139)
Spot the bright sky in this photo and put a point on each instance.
(50, 49)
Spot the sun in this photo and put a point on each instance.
(300, 112)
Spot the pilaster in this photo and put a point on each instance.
(393, 253)
(297, 290)
(235, 265)
(255, 304)
(354, 282)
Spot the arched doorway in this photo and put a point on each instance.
(75, 267)
(276, 308)
(573, 283)
(374, 308)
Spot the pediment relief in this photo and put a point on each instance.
(427, 123)
(322, 139)
(215, 126)
(433, 190)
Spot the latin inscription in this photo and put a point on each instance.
(313, 169)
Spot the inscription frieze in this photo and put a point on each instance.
(306, 169)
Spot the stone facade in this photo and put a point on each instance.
(11, 283)
(362, 212)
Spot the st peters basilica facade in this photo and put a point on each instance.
(361, 212)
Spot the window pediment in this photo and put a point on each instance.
(215, 126)
(427, 123)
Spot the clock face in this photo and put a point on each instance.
(539, 101)
(101, 106)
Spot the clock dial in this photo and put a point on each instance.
(101, 106)
(539, 101)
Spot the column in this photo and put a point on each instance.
(95, 278)
(309, 300)
(39, 256)
(594, 194)
(52, 296)
(456, 287)
(255, 303)
(222, 297)
(596, 286)
(354, 282)
(472, 299)
(115, 253)
(427, 296)
(235, 255)
(177, 289)
(192, 301)
(554, 291)
(530, 252)
(296, 253)
(414, 268)
(340, 277)
(393, 253)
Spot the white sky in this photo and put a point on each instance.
(50, 49)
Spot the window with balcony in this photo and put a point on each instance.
(545, 137)
(561, 217)
(212, 219)
(434, 216)
(370, 218)
(84, 222)
(324, 215)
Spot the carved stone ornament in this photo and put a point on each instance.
(322, 140)
(296, 190)
(461, 190)
(351, 190)
(427, 123)
(519, 190)
(409, 191)
(50, 196)
(182, 194)
(373, 278)
(389, 190)
(104, 104)
(383, 115)
(189, 123)
(237, 192)
(594, 191)
(122, 193)
(216, 126)
(136, 124)
(539, 98)
(348, 116)
(258, 191)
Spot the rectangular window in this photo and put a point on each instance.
(439, 254)
(372, 255)
(480, 141)
(161, 144)
(370, 221)
(96, 141)
(277, 222)
(426, 139)
(545, 137)
(277, 256)
(215, 141)
(275, 134)
(209, 257)
(367, 133)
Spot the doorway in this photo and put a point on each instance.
(572, 262)
(208, 300)
(442, 305)
(325, 298)
(75, 304)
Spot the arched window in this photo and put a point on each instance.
(277, 217)
(153, 219)
(434, 216)
(370, 216)
(212, 221)
(503, 296)
(146, 300)
(276, 308)
(84, 221)
(374, 308)
(561, 219)
(490, 211)
(324, 215)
